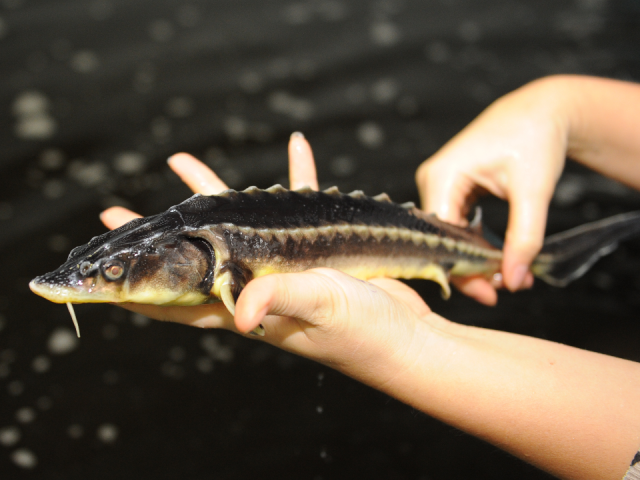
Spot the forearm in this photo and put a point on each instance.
(602, 123)
(571, 412)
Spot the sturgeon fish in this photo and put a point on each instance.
(207, 248)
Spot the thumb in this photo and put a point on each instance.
(310, 296)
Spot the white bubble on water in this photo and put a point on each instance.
(287, 104)
(58, 243)
(384, 33)
(15, 388)
(188, 16)
(438, 52)
(25, 415)
(9, 436)
(129, 163)
(44, 403)
(107, 433)
(370, 134)
(470, 31)
(41, 364)
(343, 166)
(298, 13)
(161, 31)
(75, 431)
(180, 107)
(53, 188)
(140, 320)
(177, 353)
(62, 341)
(30, 102)
(101, 9)
(24, 458)
(35, 127)
(251, 82)
(385, 90)
(88, 174)
(84, 61)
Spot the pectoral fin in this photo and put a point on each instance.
(228, 290)
(436, 273)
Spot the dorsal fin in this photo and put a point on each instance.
(332, 191)
(408, 205)
(277, 188)
(305, 189)
(357, 194)
(383, 197)
(251, 190)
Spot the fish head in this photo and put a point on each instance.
(146, 261)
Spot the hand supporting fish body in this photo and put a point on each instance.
(208, 248)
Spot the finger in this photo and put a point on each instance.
(115, 217)
(292, 295)
(302, 168)
(203, 316)
(443, 191)
(528, 209)
(198, 177)
(478, 288)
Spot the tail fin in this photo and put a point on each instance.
(568, 255)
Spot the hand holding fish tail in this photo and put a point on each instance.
(516, 150)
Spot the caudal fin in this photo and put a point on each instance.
(568, 255)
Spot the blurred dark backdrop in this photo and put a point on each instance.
(95, 95)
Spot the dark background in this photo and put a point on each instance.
(95, 95)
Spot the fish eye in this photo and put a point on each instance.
(113, 270)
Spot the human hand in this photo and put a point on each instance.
(515, 150)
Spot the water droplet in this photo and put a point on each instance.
(75, 431)
(140, 320)
(15, 388)
(180, 107)
(161, 31)
(177, 354)
(41, 364)
(385, 91)
(384, 33)
(470, 31)
(25, 415)
(107, 433)
(343, 166)
(438, 52)
(44, 403)
(370, 134)
(129, 163)
(62, 341)
(24, 458)
(84, 61)
(9, 436)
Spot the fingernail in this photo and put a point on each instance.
(517, 277)
(169, 159)
(297, 135)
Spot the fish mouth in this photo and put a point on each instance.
(66, 294)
